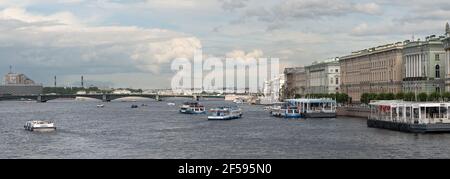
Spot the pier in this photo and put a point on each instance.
(102, 97)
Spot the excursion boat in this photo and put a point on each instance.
(192, 108)
(410, 116)
(171, 104)
(225, 113)
(315, 108)
(285, 110)
(39, 126)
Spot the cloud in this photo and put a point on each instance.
(231, 5)
(60, 41)
(241, 54)
(288, 10)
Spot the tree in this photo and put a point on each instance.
(423, 97)
(381, 96)
(446, 96)
(365, 98)
(435, 96)
(342, 98)
(409, 96)
(390, 96)
(400, 96)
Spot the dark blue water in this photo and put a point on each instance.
(159, 131)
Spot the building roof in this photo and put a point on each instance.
(374, 50)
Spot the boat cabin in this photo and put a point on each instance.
(410, 112)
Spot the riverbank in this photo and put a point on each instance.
(358, 112)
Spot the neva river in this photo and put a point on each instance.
(159, 131)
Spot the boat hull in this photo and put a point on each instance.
(223, 118)
(287, 116)
(192, 112)
(41, 129)
(320, 115)
(411, 128)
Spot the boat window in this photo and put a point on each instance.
(408, 113)
(443, 112)
(400, 112)
(416, 115)
(422, 112)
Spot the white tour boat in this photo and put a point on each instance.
(315, 108)
(225, 113)
(417, 117)
(40, 126)
(100, 106)
(192, 108)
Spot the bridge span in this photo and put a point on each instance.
(102, 97)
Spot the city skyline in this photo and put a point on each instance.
(131, 43)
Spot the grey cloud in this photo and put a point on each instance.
(311, 9)
(231, 5)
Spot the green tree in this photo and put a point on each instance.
(390, 96)
(446, 96)
(400, 96)
(365, 98)
(423, 97)
(435, 96)
(409, 96)
(381, 96)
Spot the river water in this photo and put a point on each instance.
(159, 131)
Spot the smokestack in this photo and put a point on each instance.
(55, 81)
(82, 81)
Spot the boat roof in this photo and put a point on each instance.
(305, 100)
(408, 103)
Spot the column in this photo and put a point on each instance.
(420, 65)
(413, 67)
(407, 66)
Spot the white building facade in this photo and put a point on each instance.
(446, 43)
(323, 77)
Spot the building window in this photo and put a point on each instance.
(337, 81)
(438, 71)
(437, 57)
(337, 70)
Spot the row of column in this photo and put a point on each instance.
(415, 65)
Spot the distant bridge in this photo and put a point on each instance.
(102, 97)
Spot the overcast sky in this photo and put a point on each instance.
(130, 43)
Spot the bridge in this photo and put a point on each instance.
(102, 97)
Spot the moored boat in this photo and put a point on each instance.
(285, 110)
(134, 106)
(192, 108)
(225, 113)
(315, 108)
(410, 116)
(40, 126)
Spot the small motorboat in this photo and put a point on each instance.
(100, 106)
(40, 126)
(143, 105)
(134, 106)
(225, 113)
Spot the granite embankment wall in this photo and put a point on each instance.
(360, 112)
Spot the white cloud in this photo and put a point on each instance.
(241, 54)
(127, 47)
